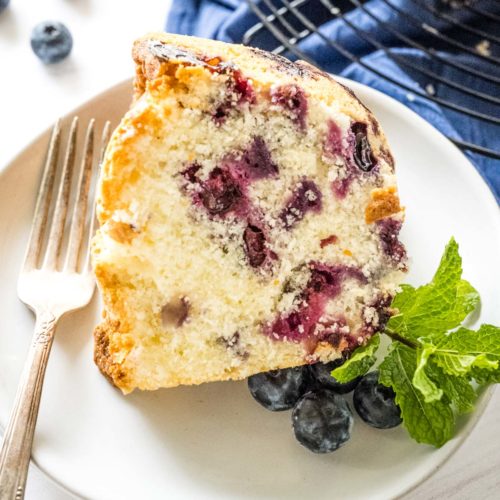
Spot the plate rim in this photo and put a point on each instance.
(385, 101)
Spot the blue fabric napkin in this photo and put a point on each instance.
(228, 20)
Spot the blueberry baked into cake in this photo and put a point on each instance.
(249, 219)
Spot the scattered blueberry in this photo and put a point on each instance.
(190, 172)
(4, 4)
(305, 198)
(375, 403)
(256, 162)
(279, 390)
(292, 98)
(321, 372)
(255, 245)
(363, 156)
(243, 87)
(322, 421)
(388, 230)
(51, 41)
(376, 323)
(325, 283)
(327, 279)
(220, 192)
(239, 87)
(333, 144)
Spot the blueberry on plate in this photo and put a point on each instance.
(51, 41)
(3, 4)
(375, 403)
(322, 421)
(279, 390)
(321, 373)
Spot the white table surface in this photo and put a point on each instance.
(32, 96)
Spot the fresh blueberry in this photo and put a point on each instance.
(51, 41)
(375, 403)
(279, 390)
(321, 372)
(4, 4)
(322, 421)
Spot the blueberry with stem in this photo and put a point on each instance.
(51, 41)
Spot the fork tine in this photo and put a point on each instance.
(59, 217)
(106, 133)
(80, 207)
(44, 198)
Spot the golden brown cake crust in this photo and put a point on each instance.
(102, 356)
(253, 62)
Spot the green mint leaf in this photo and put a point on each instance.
(359, 363)
(462, 364)
(456, 390)
(485, 377)
(485, 341)
(433, 309)
(430, 391)
(463, 350)
(432, 423)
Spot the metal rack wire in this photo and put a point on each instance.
(288, 22)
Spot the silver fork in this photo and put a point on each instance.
(50, 288)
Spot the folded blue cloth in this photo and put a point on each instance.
(228, 20)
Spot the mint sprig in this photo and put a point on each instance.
(362, 359)
(432, 362)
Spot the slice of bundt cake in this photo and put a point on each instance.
(249, 218)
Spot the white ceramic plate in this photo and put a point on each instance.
(214, 441)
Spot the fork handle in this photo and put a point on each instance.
(18, 439)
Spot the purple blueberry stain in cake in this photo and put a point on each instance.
(332, 330)
(220, 193)
(225, 189)
(175, 312)
(254, 245)
(340, 187)
(239, 91)
(301, 324)
(190, 173)
(376, 314)
(334, 148)
(388, 230)
(233, 345)
(221, 112)
(254, 163)
(293, 100)
(361, 150)
(358, 156)
(243, 87)
(334, 144)
(305, 198)
(327, 279)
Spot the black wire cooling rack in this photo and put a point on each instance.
(285, 23)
